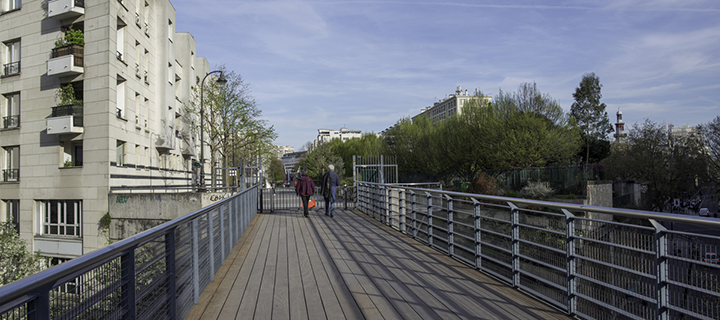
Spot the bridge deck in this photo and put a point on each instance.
(351, 267)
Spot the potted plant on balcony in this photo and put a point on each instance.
(66, 96)
(71, 43)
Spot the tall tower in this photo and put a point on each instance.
(620, 133)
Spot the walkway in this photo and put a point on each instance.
(351, 267)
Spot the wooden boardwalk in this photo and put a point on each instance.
(351, 267)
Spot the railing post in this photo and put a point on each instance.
(661, 270)
(41, 305)
(515, 229)
(478, 234)
(413, 214)
(211, 244)
(261, 201)
(570, 259)
(451, 238)
(429, 218)
(170, 272)
(222, 236)
(401, 212)
(387, 198)
(231, 225)
(127, 274)
(196, 261)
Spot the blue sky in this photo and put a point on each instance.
(364, 65)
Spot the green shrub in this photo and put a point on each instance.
(536, 190)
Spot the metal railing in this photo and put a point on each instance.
(10, 175)
(159, 273)
(578, 258)
(284, 198)
(69, 110)
(11, 68)
(11, 122)
(76, 50)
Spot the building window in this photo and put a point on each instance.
(10, 5)
(73, 154)
(120, 39)
(120, 153)
(60, 217)
(12, 213)
(11, 63)
(11, 170)
(120, 103)
(11, 110)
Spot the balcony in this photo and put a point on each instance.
(11, 175)
(66, 120)
(11, 69)
(66, 9)
(10, 122)
(187, 144)
(66, 61)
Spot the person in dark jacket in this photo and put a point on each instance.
(330, 182)
(305, 188)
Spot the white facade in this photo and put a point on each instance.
(344, 134)
(133, 76)
(452, 104)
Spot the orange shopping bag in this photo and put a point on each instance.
(311, 204)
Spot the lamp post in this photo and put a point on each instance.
(221, 80)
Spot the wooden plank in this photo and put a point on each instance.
(265, 303)
(250, 301)
(339, 270)
(298, 310)
(311, 291)
(227, 307)
(215, 289)
(281, 303)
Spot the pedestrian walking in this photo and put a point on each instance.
(330, 182)
(305, 188)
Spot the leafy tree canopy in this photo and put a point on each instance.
(589, 112)
(16, 262)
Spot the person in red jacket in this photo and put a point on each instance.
(305, 188)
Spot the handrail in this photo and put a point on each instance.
(673, 217)
(592, 266)
(34, 286)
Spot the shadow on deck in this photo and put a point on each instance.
(351, 267)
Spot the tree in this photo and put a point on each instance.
(710, 133)
(235, 130)
(276, 171)
(316, 162)
(589, 112)
(16, 262)
(674, 167)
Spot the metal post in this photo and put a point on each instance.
(663, 312)
(127, 274)
(429, 218)
(222, 236)
(478, 234)
(170, 272)
(211, 245)
(196, 261)
(413, 212)
(220, 80)
(570, 258)
(451, 238)
(515, 227)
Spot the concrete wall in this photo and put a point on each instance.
(134, 213)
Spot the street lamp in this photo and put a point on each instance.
(221, 80)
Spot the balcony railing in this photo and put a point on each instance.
(158, 274)
(10, 175)
(66, 9)
(11, 122)
(71, 110)
(76, 50)
(12, 68)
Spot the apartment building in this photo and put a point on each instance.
(344, 134)
(450, 105)
(92, 101)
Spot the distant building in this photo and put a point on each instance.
(290, 160)
(344, 134)
(451, 105)
(282, 150)
(620, 133)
